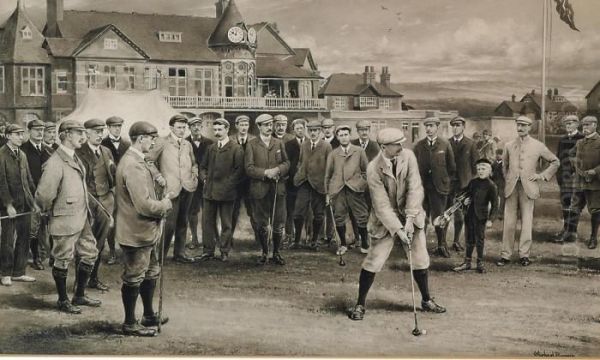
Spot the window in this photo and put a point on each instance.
(340, 103)
(32, 81)
(169, 36)
(405, 128)
(385, 103)
(250, 85)
(240, 88)
(228, 86)
(150, 78)
(92, 75)
(177, 81)
(204, 81)
(26, 33)
(61, 82)
(110, 71)
(130, 76)
(110, 44)
(1, 79)
(368, 101)
(415, 132)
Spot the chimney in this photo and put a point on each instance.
(385, 77)
(555, 92)
(369, 75)
(220, 6)
(366, 75)
(54, 18)
(514, 98)
(533, 92)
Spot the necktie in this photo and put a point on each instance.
(346, 151)
(17, 153)
(38, 148)
(393, 161)
(363, 145)
(220, 145)
(312, 146)
(431, 143)
(97, 152)
(115, 140)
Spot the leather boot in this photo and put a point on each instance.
(341, 230)
(441, 236)
(317, 226)
(593, 242)
(129, 295)
(83, 274)
(60, 279)
(150, 317)
(277, 258)
(364, 238)
(298, 224)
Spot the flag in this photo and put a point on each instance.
(565, 10)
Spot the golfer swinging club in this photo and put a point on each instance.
(397, 197)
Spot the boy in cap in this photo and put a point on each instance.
(397, 198)
(482, 205)
(16, 197)
(488, 146)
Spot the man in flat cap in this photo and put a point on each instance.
(280, 123)
(138, 232)
(16, 197)
(292, 149)
(100, 169)
(328, 128)
(200, 146)
(437, 167)
(397, 196)
(346, 184)
(311, 183)
(567, 180)
(50, 137)
(363, 128)
(267, 166)
(174, 167)
(62, 192)
(36, 157)
(488, 146)
(242, 125)
(465, 157)
(587, 168)
(221, 171)
(521, 158)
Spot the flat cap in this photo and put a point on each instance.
(344, 127)
(458, 119)
(570, 118)
(242, 118)
(194, 120)
(280, 118)
(142, 128)
(177, 118)
(49, 125)
(70, 125)
(327, 122)
(263, 119)
(431, 120)
(523, 120)
(589, 119)
(314, 124)
(363, 124)
(114, 120)
(221, 121)
(35, 123)
(300, 121)
(13, 128)
(93, 124)
(390, 136)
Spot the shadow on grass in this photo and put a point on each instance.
(27, 302)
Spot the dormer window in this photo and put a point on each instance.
(26, 33)
(110, 44)
(169, 36)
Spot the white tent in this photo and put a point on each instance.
(131, 106)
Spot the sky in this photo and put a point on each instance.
(419, 40)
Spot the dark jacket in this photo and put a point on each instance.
(483, 192)
(16, 184)
(334, 142)
(199, 152)
(244, 185)
(258, 158)
(372, 149)
(436, 164)
(498, 175)
(117, 153)
(35, 159)
(566, 177)
(312, 165)
(221, 171)
(587, 150)
(292, 149)
(465, 156)
(99, 173)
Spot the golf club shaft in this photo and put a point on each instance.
(337, 236)
(412, 284)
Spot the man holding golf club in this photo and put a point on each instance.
(397, 197)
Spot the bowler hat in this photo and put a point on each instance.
(142, 128)
(389, 136)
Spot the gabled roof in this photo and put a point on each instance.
(518, 107)
(265, 26)
(97, 33)
(551, 104)
(593, 89)
(231, 17)
(275, 67)
(353, 85)
(142, 30)
(302, 54)
(13, 48)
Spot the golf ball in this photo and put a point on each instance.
(423, 331)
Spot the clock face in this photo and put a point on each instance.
(235, 34)
(252, 36)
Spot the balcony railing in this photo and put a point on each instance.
(246, 103)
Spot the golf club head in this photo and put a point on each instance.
(417, 332)
(342, 262)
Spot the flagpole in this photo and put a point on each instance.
(542, 132)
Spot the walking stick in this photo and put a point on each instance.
(161, 260)
(272, 218)
(337, 239)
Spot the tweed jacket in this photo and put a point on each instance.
(221, 171)
(116, 152)
(176, 162)
(260, 157)
(520, 160)
(99, 173)
(566, 176)
(63, 193)
(35, 159)
(346, 170)
(394, 198)
(587, 158)
(311, 165)
(16, 184)
(372, 149)
(465, 156)
(138, 209)
(436, 164)
(292, 148)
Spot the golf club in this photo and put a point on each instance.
(272, 218)
(337, 239)
(416, 331)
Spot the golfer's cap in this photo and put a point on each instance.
(327, 122)
(142, 128)
(570, 118)
(13, 128)
(194, 120)
(458, 119)
(523, 120)
(94, 124)
(363, 124)
(344, 127)
(263, 119)
(280, 118)
(241, 118)
(49, 125)
(35, 123)
(389, 136)
(431, 120)
(300, 121)
(70, 125)
(589, 119)
(177, 118)
(314, 124)
(114, 120)
(221, 121)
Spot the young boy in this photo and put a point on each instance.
(481, 194)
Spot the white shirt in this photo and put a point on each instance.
(141, 154)
(196, 140)
(242, 139)
(38, 147)
(223, 142)
(265, 139)
(431, 140)
(328, 139)
(313, 144)
(115, 141)
(458, 138)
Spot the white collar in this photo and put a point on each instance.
(315, 143)
(361, 141)
(36, 145)
(434, 139)
(459, 138)
(141, 154)
(70, 152)
(114, 138)
(265, 139)
(574, 133)
(327, 139)
(224, 141)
